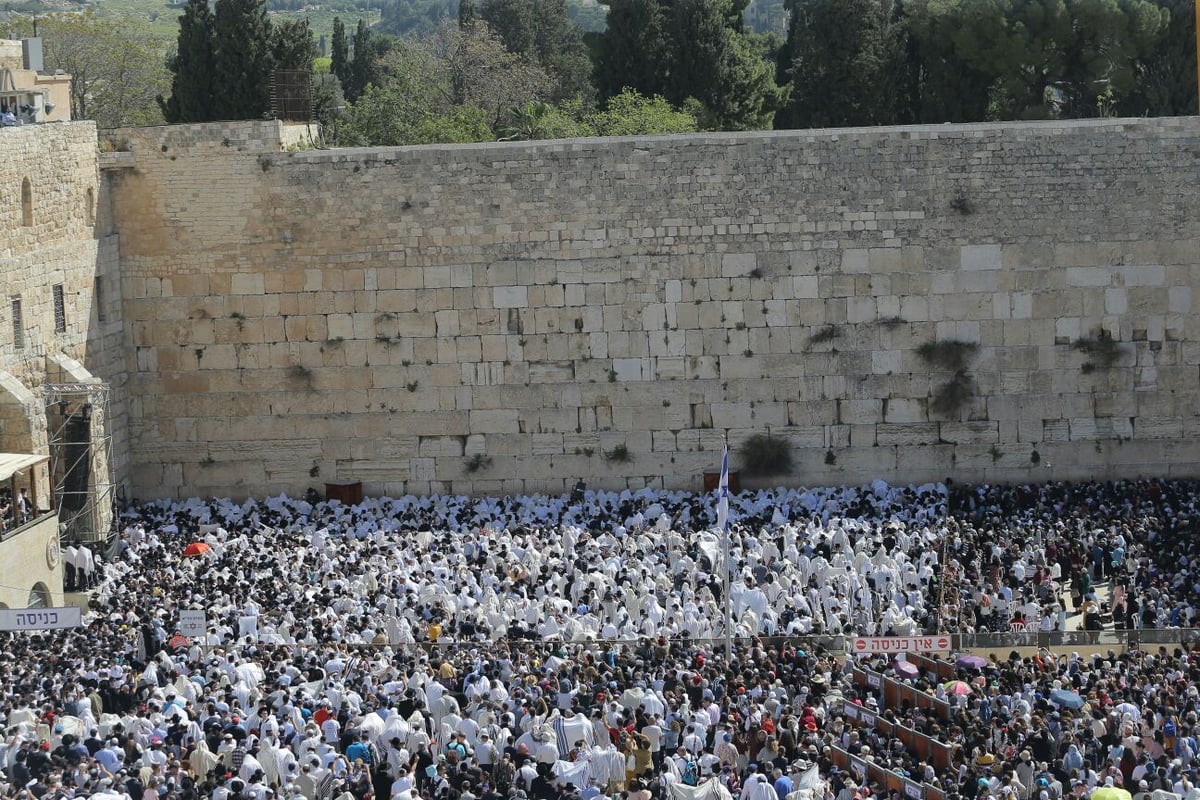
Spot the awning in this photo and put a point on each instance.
(12, 463)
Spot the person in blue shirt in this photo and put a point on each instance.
(783, 784)
(360, 750)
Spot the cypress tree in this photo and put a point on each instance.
(192, 82)
(339, 56)
(634, 49)
(243, 62)
(466, 12)
(362, 68)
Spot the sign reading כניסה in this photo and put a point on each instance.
(40, 619)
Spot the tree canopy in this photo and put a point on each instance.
(116, 70)
(225, 60)
(471, 70)
(690, 51)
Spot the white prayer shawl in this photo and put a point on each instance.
(711, 789)
(576, 772)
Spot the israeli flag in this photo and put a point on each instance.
(723, 493)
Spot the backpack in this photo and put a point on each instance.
(1170, 728)
(691, 773)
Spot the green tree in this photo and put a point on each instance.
(1054, 57)
(116, 68)
(459, 126)
(328, 102)
(714, 62)
(690, 49)
(841, 59)
(632, 49)
(295, 48)
(460, 84)
(466, 12)
(471, 67)
(943, 86)
(192, 67)
(1165, 78)
(415, 17)
(514, 21)
(339, 54)
(542, 31)
(362, 67)
(242, 60)
(532, 120)
(634, 114)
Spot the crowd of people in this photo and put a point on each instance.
(563, 648)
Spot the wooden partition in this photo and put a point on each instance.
(920, 744)
(944, 670)
(870, 772)
(895, 694)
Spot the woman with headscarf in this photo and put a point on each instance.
(1072, 760)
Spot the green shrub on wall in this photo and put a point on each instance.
(763, 454)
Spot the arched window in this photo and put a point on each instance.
(39, 596)
(26, 203)
(89, 207)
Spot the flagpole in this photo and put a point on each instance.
(723, 522)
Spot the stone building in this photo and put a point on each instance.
(29, 92)
(59, 360)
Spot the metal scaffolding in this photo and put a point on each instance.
(80, 459)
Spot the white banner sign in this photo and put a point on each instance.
(40, 619)
(193, 623)
(872, 645)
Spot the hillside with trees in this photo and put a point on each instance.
(481, 70)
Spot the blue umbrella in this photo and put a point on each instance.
(1066, 699)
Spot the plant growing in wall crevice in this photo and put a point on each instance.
(619, 454)
(1101, 350)
(826, 334)
(954, 357)
(477, 462)
(763, 454)
(302, 376)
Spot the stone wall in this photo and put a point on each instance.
(45, 241)
(51, 213)
(31, 562)
(510, 317)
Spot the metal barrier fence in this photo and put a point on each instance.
(959, 642)
(1119, 639)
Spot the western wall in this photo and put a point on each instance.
(511, 317)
